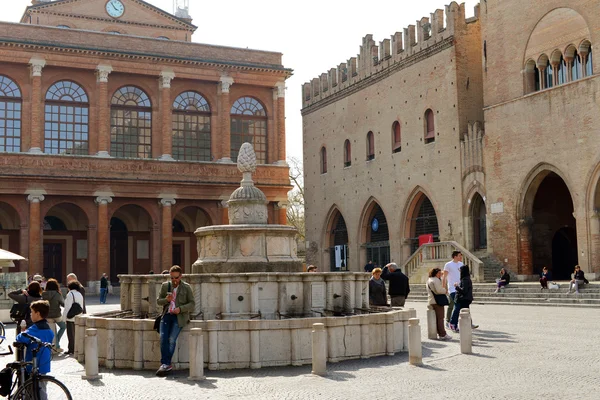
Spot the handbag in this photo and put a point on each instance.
(75, 309)
(19, 311)
(440, 299)
(159, 318)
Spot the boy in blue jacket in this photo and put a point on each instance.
(41, 330)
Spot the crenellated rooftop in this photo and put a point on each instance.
(416, 42)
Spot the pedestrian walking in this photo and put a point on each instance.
(55, 300)
(103, 288)
(451, 276)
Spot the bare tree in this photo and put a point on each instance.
(295, 209)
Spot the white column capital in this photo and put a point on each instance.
(167, 202)
(223, 204)
(37, 64)
(165, 79)
(35, 198)
(226, 82)
(102, 72)
(280, 88)
(282, 205)
(104, 200)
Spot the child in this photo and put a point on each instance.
(41, 330)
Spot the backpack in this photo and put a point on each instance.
(5, 381)
(19, 312)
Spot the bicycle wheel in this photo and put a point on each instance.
(50, 389)
(2, 332)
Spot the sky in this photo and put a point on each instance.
(313, 36)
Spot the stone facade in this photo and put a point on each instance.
(71, 199)
(514, 171)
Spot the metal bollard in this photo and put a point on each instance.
(196, 355)
(431, 323)
(319, 350)
(415, 352)
(466, 332)
(91, 355)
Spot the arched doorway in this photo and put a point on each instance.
(553, 226)
(10, 225)
(130, 241)
(185, 223)
(423, 222)
(376, 235)
(65, 242)
(338, 243)
(478, 222)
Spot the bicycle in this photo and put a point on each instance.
(2, 332)
(33, 385)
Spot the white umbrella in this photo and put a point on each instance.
(8, 256)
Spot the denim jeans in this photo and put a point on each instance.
(455, 311)
(103, 293)
(169, 331)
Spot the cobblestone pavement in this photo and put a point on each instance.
(519, 353)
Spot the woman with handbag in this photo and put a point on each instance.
(53, 295)
(24, 298)
(73, 307)
(437, 299)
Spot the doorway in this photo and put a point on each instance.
(53, 261)
(178, 256)
(564, 253)
(119, 250)
(479, 218)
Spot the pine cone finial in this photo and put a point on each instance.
(246, 159)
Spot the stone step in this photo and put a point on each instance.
(527, 300)
(544, 295)
(522, 303)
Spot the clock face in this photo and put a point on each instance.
(115, 8)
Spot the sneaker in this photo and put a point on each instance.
(447, 337)
(474, 326)
(453, 328)
(164, 370)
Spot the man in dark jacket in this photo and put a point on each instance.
(398, 286)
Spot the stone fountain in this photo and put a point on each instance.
(248, 243)
(253, 303)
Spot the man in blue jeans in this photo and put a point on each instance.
(103, 288)
(177, 299)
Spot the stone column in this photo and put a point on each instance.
(196, 355)
(102, 72)
(281, 123)
(37, 106)
(319, 350)
(91, 355)
(138, 344)
(225, 120)
(136, 304)
(167, 232)
(166, 115)
(35, 233)
(92, 256)
(156, 247)
(415, 351)
(431, 323)
(569, 62)
(466, 333)
(125, 293)
(272, 131)
(554, 74)
(595, 241)
(24, 246)
(255, 362)
(525, 246)
(103, 236)
(213, 344)
(390, 342)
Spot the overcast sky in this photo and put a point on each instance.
(313, 36)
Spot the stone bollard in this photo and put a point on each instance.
(431, 323)
(319, 350)
(91, 355)
(196, 355)
(415, 352)
(466, 332)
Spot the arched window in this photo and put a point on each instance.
(429, 127)
(191, 127)
(67, 117)
(323, 160)
(10, 115)
(589, 67)
(548, 76)
(396, 137)
(561, 71)
(370, 146)
(576, 72)
(347, 153)
(532, 77)
(249, 124)
(130, 123)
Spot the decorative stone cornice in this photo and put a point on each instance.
(165, 79)
(103, 200)
(102, 72)
(35, 198)
(226, 82)
(167, 202)
(37, 64)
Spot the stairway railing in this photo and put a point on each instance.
(442, 251)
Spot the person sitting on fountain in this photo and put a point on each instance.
(177, 299)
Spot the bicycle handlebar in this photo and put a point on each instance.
(36, 340)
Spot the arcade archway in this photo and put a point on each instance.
(549, 212)
(10, 225)
(185, 224)
(375, 236)
(478, 219)
(130, 241)
(337, 242)
(422, 222)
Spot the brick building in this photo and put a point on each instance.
(477, 130)
(119, 136)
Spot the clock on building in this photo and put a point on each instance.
(375, 225)
(115, 8)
